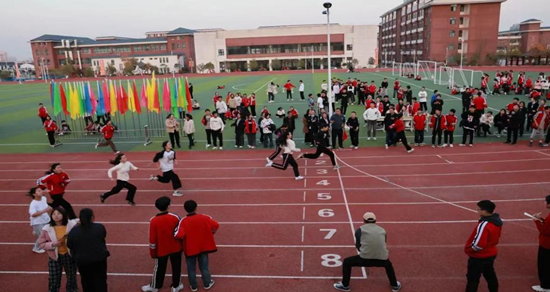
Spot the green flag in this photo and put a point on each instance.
(57, 108)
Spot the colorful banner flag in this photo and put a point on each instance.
(156, 96)
(166, 96)
(131, 104)
(124, 99)
(17, 73)
(143, 96)
(181, 94)
(113, 96)
(92, 98)
(174, 96)
(137, 106)
(51, 93)
(57, 108)
(188, 96)
(63, 99)
(87, 99)
(106, 97)
(100, 101)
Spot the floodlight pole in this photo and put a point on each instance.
(327, 5)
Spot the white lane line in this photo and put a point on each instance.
(302, 261)
(449, 162)
(546, 154)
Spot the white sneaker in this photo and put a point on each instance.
(236, 146)
(461, 145)
(374, 138)
(240, 146)
(96, 145)
(299, 178)
(471, 145)
(221, 148)
(148, 288)
(177, 194)
(153, 177)
(176, 289)
(451, 145)
(207, 145)
(356, 147)
(368, 139)
(444, 145)
(38, 250)
(538, 288)
(214, 148)
(433, 146)
(209, 285)
(386, 146)
(410, 151)
(336, 167)
(397, 288)
(269, 162)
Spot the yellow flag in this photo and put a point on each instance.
(74, 101)
(150, 96)
(131, 102)
(114, 98)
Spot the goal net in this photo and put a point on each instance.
(396, 69)
(466, 77)
(445, 76)
(427, 70)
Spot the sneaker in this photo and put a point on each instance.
(117, 153)
(540, 144)
(239, 147)
(38, 250)
(538, 288)
(132, 203)
(396, 288)
(207, 146)
(410, 151)
(355, 147)
(148, 288)
(221, 148)
(300, 156)
(545, 145)
(416, 144)
(269, 162)
(176, 289)
(214, 148)
(368, 139)
(451, 145)
(96, 145)
(339, 286)
(374, 138)
(471, 145)
(336, 167)
(386, 146)
(461, 145)
(236, 146)
(209, 285)
(248, 146)
(193, 289)
(433, 146)
(299, 178)
(177, 194)
(153, 177)
(444, 145)
(101, 198)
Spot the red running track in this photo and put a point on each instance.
(276, 233)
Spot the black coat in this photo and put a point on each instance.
(239, 126)
(389, 120)
(514, 120)
(88, 245)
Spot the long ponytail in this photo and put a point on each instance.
(52, 167)
(116, 161)
(281, 140)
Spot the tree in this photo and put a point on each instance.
(514, 52)
(209, 67)
(154, 69)
(302, 64)
(67, 70)
(355, 62)
(371, 61)
(111, 70)
(233, 67)
(276, 64)
(88, 72)
(130, 65)
(536, 50)
(200, 67)
(253, 65)
(492, 59)
(474, 59)
(5, 74)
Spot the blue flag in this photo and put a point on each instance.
(87, 99)
(100, 109)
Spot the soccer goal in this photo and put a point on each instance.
(396, 69)
(409, 68)
(445, 76)
(466, 77)
(427, 70)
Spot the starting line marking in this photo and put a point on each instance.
(449, 162)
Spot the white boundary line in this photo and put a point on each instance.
(448, 161)
(538, 151)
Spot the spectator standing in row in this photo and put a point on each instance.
(206, 123)
(172, 127)
(450, 124)
(250, 129)
(514, 123)
(469, 125)
(267, 126)
(371, 116)
(384, 87)
(337, 122)
(419, 121)
(239, 131)
(396, 87)
(423, 99)
(540, 124)
(353, 125)
(216, 126)
(189, 129)
(437, 104)
(301, 89)
(288, 87)
(221, 108)
(543, 261)
(389, 119)
(437, 124)
(532, 109)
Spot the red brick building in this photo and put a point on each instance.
(169, 51)
(439, 30)
(526, 36)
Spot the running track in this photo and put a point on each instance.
(276, 233)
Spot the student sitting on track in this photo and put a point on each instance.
(370, 241)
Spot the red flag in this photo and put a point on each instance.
(118, 97)
(166, 100)
(63, 99)
(143, 94)
(188, 96)
(345, 137)
(135, 98)
(106, 98)
(124, 99)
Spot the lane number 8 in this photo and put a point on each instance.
(331, 260)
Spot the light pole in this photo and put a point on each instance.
(461, 51)
(327, 6)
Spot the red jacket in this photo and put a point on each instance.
(484, 82)
(544, 232)
(416, 107)
(247, 126)
(50, 126)
(537, 119)
(442, 125)
(372, 89)
(400, 94)
(252, 100)
(161, 235)
(419, 122)
(396, 85)
(293, 112)
(55, 183)
(108, 131)
(398, 125)
(511, 106)
(197, 232)
(42, 112)
(529, 83)
(245, 102)
(368, 102)
(451, 122)
(521, 80)
(289, 86)
(483, 241)
(479, 103)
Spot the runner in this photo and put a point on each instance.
(165, 162)
(322, 142)
(55, 181)
(288, 146)
(122, 167)
(278, 147)
(108, 132)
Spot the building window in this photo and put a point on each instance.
(102, 50)
(183, 45)
(452, 21)
(462, 7)
(86, 51)
(47, 52)
(460, 46)
(451, 47)
(163, 47)
(460, 33)
(453, 7)
(173, 46)
(221, 52)
(421, 13)
(462, 21)
(452, 34)
(349, 47)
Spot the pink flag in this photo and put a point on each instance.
(106, 98)
(92, 98)
(166, 100)
(143, 94)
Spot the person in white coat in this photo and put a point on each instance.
(189, 129)
(423, 99)
(371, 115)
(122, 167)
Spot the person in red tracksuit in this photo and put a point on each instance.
(528, 85)
(51, 128)
(481, 248)
(108, 132)
(399, 127)
(55, 181)
(197, 232)
(250, 129)
(252, 104)
(543, 262)
(396, 87)
(163, 247)
(419, 121)
(450, 120)
(42, 112)
(288, 87)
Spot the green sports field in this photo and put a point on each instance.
(21, 131)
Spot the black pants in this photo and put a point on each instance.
(208, 136)
(160, 270)
(51, 137)
(354, 135)
(102, 118)
(512, 135)
(218, 137)
(543, 263)
(486, 129)
(43, 121)
(253, 110)
(344, 107)
(268, 140)
(361, 99)
(522, 123)
(175, 137)
(270, 96)
(302, 96)
(401, 136)
(289, 94)
(478, 267)
(58, 200)
(288, 159)
(390, 137)
(357, 261)
(529, 122)
(170, 176)
(239, 139)
(93, 277)
(436, 132)
(120, 184)
(418, 136)
(337, 133)
(88, 119)
(321, 149)
(449, 137)
(276, 153)
(191, 138)
(466, 133)
(424, 106)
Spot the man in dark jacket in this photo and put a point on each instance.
(389, 119)
(469, 123)
(532, 109)
(312, 125)
(481, 248)
(514, 123)
(466, 99)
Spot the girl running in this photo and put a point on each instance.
(51, 128)
(165, 161)
(122, 167)
(56, 181)
(54, 241)
(288, 146)
(108, 132)
(38, 210)
(322, 142)
(278, 133)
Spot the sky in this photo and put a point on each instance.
(23, 20)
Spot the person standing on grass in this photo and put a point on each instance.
(38, 211)
(122, 167)
(514, 123)
(321, 139)
(370, 241)
(371, 116)
(450, 124)
(423, 99)
(56, 181)
(543, 260)
(288, 87)
(252, 104)
(165, 162)
(54, 241)
(469, 125)
(216, 126)
(267, 126)
(206, 123)
(221, 108)
(437, 104)
(189, 130)
(51, 128)
(288, 147)
(481, 248)
(353, 124)
(86, 242)
(389, 119)
(239, 131)
(197, 233)
(396, 87)
(301, 89)
(399, 127)
(437, 124)
(108, 132)
(172, 127)
(337, 122)
(42, 112)
(163, 246)
(419, 122)
(251, 128)
(540, 124)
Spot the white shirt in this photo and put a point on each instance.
(336, 89)
(122, 171)
(320, 102)
(265, 125)
(238, 100)
(221, 107)
(37, 206)
(290, 147)
(487, 120)
(423, 96)
(189, 127)
(167, 161)
(324, 87)
(302, 87)
(216, 123)
(371, 114)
